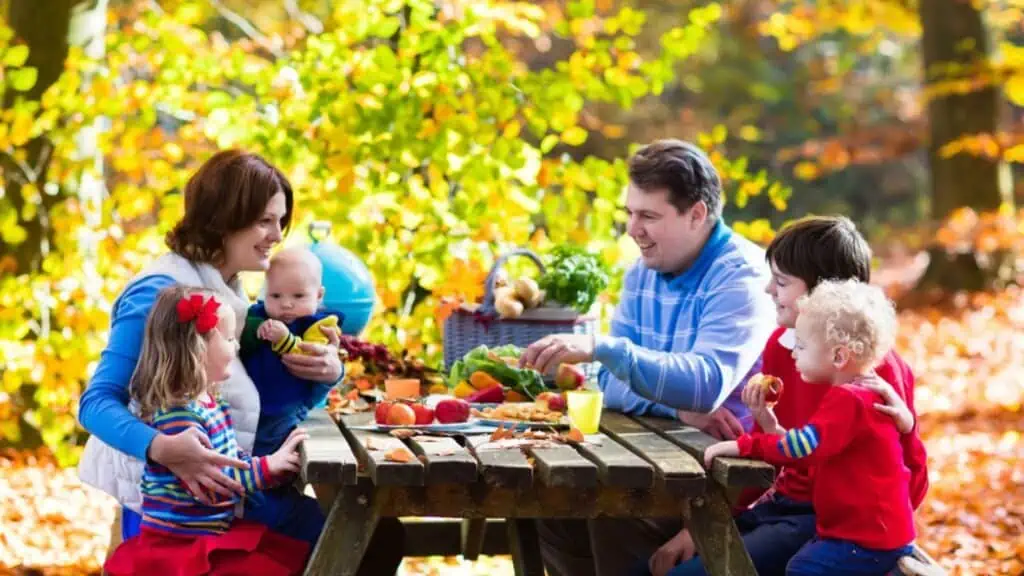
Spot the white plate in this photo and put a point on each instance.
(435, 427)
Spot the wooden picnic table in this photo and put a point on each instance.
(636, 468)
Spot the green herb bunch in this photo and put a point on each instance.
(574, 277)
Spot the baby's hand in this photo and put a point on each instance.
(286, 459)
(271, 330)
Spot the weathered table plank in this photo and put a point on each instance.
(445, 459)
(727, 471)
(480, 500)
(326, 455)
(563, 466)
(677, 469)
(616, 464)
(501, 468)
(372, 448)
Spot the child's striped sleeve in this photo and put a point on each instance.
(286, 344)
(254, 478)
(831, 428)
(176, 420)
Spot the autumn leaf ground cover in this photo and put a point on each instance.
(969, 357)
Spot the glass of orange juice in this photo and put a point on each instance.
(402, 388)
(584, 407)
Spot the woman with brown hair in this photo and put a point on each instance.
(237, 208)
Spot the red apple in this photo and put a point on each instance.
(772, 386)
(424, 415)
(380, 415)
(452, 411)
(401, 415)
(569, 377)
(554, 400)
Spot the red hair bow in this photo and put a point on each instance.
(204, 313)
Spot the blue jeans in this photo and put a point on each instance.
(283, 509)
(287, 511)
(131, 523)
(773, 531)
(841, 558)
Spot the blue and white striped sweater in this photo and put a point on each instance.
(690, 341)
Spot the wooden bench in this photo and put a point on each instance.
(636, 468)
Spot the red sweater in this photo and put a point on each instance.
(800, 400)
(861, 488)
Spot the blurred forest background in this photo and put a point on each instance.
(453, 130)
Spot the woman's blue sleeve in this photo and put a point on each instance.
(103, 408)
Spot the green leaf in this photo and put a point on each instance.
(16, 56)
(13, 234)
(574, 136)
(23, 79)
(548, 143)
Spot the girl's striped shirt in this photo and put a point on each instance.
(167, 504)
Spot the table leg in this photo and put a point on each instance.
(525, 547)
(716, 537)
(473, 531)
(350, 524)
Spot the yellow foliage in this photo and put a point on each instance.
(423, 155)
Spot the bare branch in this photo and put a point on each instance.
(246, 27)
(25, 172)
(309, 21)
(44, 157)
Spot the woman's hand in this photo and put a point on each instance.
(730, 448)
(191, 458)
(320, 362)
(894, 406)
(677, 550)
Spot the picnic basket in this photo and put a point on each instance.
(473, 325)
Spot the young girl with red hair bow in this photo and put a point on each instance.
(187, 350)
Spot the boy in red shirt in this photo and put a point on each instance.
(861, 493)
(801, 256)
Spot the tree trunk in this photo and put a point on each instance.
(45, 32)
(953, 32)
(49, 33)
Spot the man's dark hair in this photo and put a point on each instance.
(681, 168)
(818, 248)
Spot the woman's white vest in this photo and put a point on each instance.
(119, 474)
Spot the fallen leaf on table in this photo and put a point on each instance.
(402, 433)
(575, 435)
(399, 455)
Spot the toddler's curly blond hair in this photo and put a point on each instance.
(853, 314)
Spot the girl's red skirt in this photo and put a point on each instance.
(246, 549)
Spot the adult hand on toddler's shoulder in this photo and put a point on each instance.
(191, 458)
(679, 549)
(894, 405)
(271, 330)
(730, 448)
(286, 459)
(318, 362)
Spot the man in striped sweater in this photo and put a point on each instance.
(691, 322)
